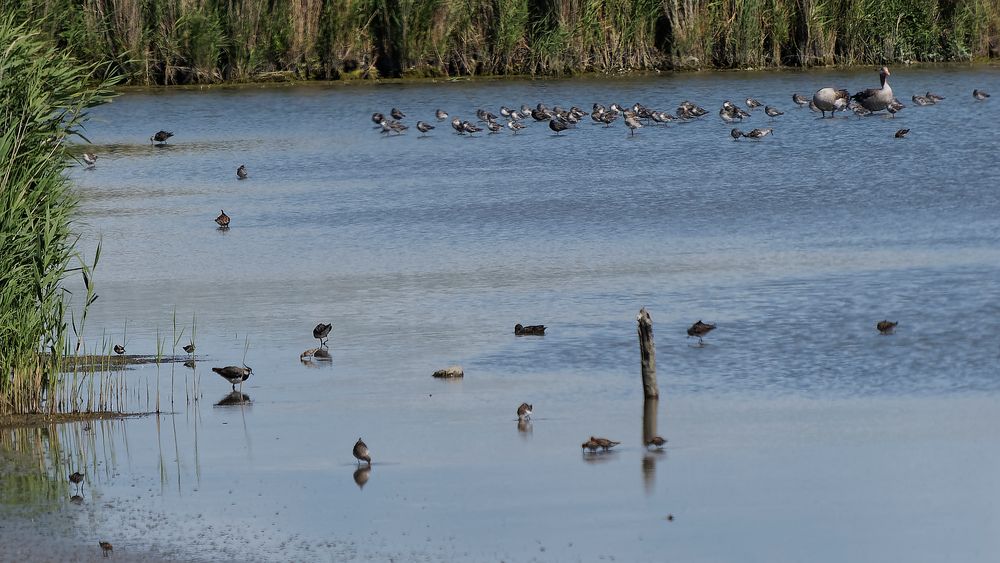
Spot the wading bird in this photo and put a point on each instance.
(321, 332)
(886, 327)
(361, 452)
(524, 411)
(241, 172)
(160, 137)
(222, 220)
(699, 330)
(876, 99)
(235, 374)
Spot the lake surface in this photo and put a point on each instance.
(796, 433)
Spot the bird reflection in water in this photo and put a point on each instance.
(234, 398)
(76, 499)
(524, 427)
(361, 475)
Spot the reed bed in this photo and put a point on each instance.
(43, 95)
(205, 41)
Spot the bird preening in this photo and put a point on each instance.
(886, 326)
(524, 412)
(361, 452)
(241, 172)
(222, 220)
(321, 332)
(699, 330)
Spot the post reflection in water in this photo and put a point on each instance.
(649, 431)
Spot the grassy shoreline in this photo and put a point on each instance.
(210, 41)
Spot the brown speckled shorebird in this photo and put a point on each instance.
(76, 478)
(361, 452)
(189, 348)
(524, 411)
(106, 548)
(222, 220)
(656, 441)
(119, 349)
(699, 330)
(530, 330)
(591, 445)
(235, 374)
(886, 327)
(604, 442)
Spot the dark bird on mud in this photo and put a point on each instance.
(773, 112)
(235, 374)
(591, 445)
(76, 478)
(241, 172)
(106, 547)
(524, 411)
(656, 441)
(759, 133)
(361, 452)
(980, 94)
(424, 127)
(119, 349)
(160, 137)
(557, 126)
(189, 348)
(886, 327)
(530, 330)
(604, 443)
(441, 115)
(90, 160)
(322, 332)
(736, 134)
(800, 100)
(396, 114)
(901, 133)
(699, 330)
(222, 220)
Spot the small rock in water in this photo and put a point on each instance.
(453, 371)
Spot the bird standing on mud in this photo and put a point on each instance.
(361, 452)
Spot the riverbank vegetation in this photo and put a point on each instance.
(43, 95)
(203, 41)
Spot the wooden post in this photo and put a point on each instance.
(648, 351)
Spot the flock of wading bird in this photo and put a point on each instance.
(829, 99)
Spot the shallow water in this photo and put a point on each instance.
(796, 433)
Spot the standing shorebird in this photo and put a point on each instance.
(106, 547)
(189, 348)
(235, 374)
(752, 103)
(515, 126)
(886, 327)
(424, 127)
(76, 478)
(773, 112)
(90, 159)
(322, 332)
(656, 441)
(119, 349)
(160, 137)
(800, 100)
(604, 443)
(524, 411)
(361, 452)
(396, 114)
(736, 134)
(222, 220)
(557, 126)
(591, 445)
(700, 329)
(241, 172)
